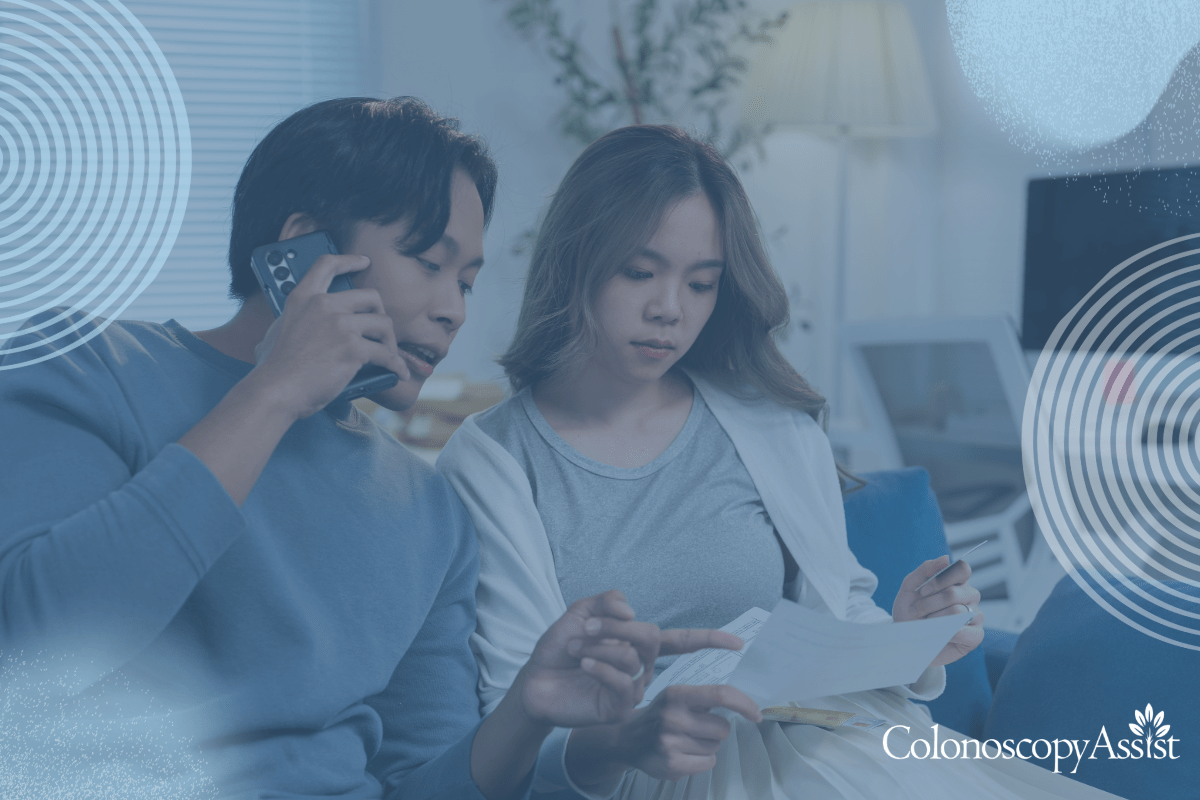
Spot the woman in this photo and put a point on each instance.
(658, 441)
(195, 515)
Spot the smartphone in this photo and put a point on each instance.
(281, 265)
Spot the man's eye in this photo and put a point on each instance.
(428, 265)
(636, 274)
(465, 287)
(703, 287)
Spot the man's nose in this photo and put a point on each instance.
(450, 306)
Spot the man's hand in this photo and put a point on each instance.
(947, 594)
(311, 352)
(306, 359)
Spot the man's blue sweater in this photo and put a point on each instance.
(313, 641)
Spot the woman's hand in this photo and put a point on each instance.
(591, 666)
(947, 594)
(673, 737)
(677, 735)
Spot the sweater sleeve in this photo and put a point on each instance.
(429, 710)
(96, 557)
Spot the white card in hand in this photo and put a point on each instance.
(705, 667)
(800, 654)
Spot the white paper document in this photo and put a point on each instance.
(706, 667)
(799, 654)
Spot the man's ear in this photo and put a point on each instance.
(298, 224)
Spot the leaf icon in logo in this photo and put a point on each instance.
(1149, 725)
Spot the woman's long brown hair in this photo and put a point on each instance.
(607, 207)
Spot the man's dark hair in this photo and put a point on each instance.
(351, 160)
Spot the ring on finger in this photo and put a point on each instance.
(641, 671)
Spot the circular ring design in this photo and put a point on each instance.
(97, 160)
(641, 671)
(1111, 442)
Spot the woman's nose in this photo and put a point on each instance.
(664, 306)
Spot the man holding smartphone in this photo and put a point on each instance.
(195, 515)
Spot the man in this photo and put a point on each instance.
(196, 516)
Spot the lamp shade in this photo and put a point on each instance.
(848, 67)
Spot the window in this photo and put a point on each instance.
(242, 65)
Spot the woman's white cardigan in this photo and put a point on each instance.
(790, 461)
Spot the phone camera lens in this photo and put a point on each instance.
(287, 287)
(274, 258)
(281, 273)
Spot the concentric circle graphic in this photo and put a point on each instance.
(1111, 442)
(95, 168)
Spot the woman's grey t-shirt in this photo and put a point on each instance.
(685, 537)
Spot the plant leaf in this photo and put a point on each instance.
(1149, 712)
(1138, 716)
(1137, 729)
(1159, 718)
(1163, 730)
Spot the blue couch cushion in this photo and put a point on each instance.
(1077, 668)
(997, 648)
(893, 524)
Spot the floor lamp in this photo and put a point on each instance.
(851, 70)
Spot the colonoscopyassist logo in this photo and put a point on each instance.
(1151, 740)
(95, 168)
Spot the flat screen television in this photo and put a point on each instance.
(1079, 228)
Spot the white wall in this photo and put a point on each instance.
(463, 58)
(935, 225)
(979, 188)
(471, 64)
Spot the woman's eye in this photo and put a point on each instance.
(703, 287)
(636, 274)
(428, 265)
(465, 288)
